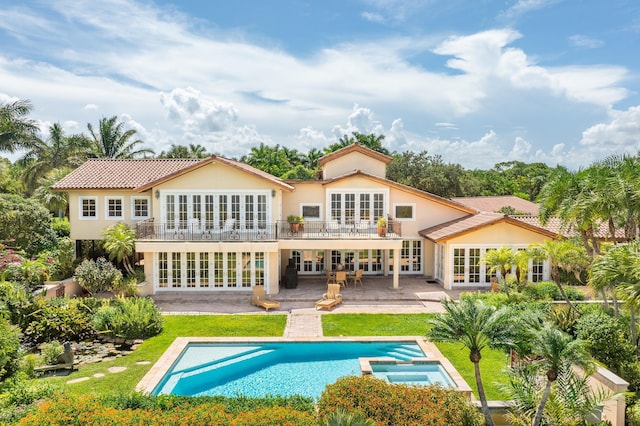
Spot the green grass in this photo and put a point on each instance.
(491, 366)
(153, 348)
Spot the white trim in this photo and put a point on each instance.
(108, 198)
(80, 209)
(357, 191)
(311, 218)
(133, 207)
(405, 219)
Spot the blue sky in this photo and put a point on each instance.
(477, 82)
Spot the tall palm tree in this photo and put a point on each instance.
(561, 255)
(16, 129)
(57, 151)
(557, 351)
(181, 151)
(477, 326)
(120, 243)
(111, 140)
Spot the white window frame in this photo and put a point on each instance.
(80, 205)
(356, 192)
(311, 218)
(406, 219)
(133, 207)
(107, 216)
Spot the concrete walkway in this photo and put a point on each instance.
(301, 323)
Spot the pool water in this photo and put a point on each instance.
(279, 368)
(419, 372)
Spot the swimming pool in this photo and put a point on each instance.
(269, 366)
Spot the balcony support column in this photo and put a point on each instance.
(396, 268)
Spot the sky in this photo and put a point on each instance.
(475, 81)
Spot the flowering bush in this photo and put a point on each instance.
(390, 404)
(97, 276)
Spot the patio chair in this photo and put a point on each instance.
(331, 278)
(356, 278)
(260, 298)
(341, 278)
(331, 298)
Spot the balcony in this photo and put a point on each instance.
(231, 231)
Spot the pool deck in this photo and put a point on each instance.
(377, 295)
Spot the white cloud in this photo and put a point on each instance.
(522, 7)
(581, 40)
(619, 135)
(373, 17)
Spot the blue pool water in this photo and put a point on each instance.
(412, 373)
(279, 368)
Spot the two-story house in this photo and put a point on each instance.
(218, 224)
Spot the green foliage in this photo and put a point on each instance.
(135, 318)
(61, 226)
(605, 340)
(17, 396)
(9, 349)
(63, 258)
(50, 351)
(120, 242)
(389, 404)
(96, 276)
(25, 224)
(58, 319)
(547, 290)
(163, 411)
(344, 418)
(111, 140)
(564, 318)
(300, 172)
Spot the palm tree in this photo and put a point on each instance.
(477, 326)
(56, 201)
(112, 141)
(558, 352)
(561, 255)
(57, 151)
(16, 130)
(501, 260)
(119, 241)
(181, 151)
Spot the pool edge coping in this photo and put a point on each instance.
(159, 369)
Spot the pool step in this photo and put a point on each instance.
(223, 363)
(406, 353)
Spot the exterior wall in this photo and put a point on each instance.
(429, 258)
(91, 229)
(354, 161)
(495, 236)
(311, 192)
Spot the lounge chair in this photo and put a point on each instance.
(260, 298)
(331, 298)
(357, 278)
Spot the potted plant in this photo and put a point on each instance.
(295, 222)
(382, 226)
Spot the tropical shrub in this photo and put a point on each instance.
(61, 226)
(605, 340)
(16, 303)
(27, 224)
(58, 319)
(548, 290)
(96, 276)
(17, 398)
(389, 404)
(135, 318)
(274, 416)
(50, 351)
(9, 349)
(63, 258)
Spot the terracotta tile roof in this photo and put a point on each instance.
(402, 187)
(102, 173)
(354, 147)
(555, 225)
(495, 203)
(142, 174)
(467, 224)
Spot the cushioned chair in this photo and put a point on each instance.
(260, 298)
(331, 298)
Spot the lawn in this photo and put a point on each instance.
(491, 366)
(153, 348)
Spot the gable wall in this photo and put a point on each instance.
(353, 161)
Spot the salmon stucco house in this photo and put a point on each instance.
(218, 224)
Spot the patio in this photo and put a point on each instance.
(377, 294)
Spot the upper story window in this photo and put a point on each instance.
(114, 207)
(361, 205)
(140, 207)
(88, 208)
(404, 211)
(311, 211)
